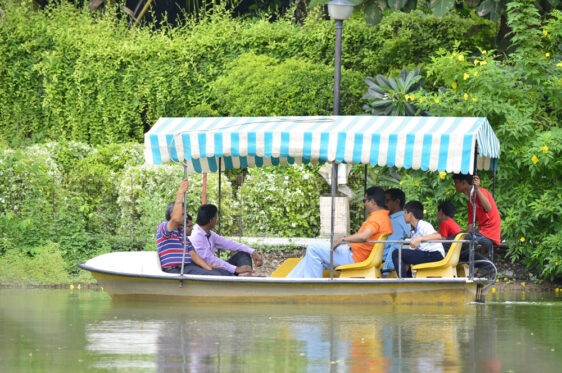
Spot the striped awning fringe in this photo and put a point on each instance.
(426, 143)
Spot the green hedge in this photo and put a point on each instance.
(69, 74)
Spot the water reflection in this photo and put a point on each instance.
(297, 338)
(49, 330)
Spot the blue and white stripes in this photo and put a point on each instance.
(426, 143)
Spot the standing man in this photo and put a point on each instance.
(169, 241)
(394, 199)
(317, 257)
(487, 214)
(206, 242)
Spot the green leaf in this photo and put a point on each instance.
(373, 14)
(396, 4)
(441, 7)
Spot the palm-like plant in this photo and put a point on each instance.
(390, 96)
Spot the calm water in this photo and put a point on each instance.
(83, 330)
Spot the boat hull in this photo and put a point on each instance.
(310, 291)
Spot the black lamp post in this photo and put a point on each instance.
(339, 10)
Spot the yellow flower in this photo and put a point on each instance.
(484, 52)
(476, 62)
(454, 54)
(406, 97)
(476, 73)
(549, 36)
(505, 279)
(466, 76)
(522, 239)
(436, 100)
(523, 283)
(559, 64)
(422, 99)
(544, 32)
(401, 182)
(493, 290)
(474, 99)
(461, 57)
(417, 184)
(544, 149)
(535, 159)
(454, 85)
(466, 96)
(484, 63)
(547, 54)
(442, 175)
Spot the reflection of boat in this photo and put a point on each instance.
(216, 144)
(304, 338)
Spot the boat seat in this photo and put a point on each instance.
(284, 269)
(287, 266)
(370, 267)
(446, 267)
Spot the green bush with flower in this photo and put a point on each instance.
(521, 95)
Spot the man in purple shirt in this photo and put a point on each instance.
(206, 242)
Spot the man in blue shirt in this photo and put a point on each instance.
(395, 199)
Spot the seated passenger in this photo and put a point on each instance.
(169, 241)
(206, 242)
(395, 199)
(448, 228)
(317, 257)
(421, 251)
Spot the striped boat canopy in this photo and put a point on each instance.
(426, 143)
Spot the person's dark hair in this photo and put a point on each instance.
(376, 194)
(169, 210)
(205, 213)
(395, 194)
(416, 208)
(448, 208)
(468, 178)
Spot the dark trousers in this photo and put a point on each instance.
(194, 269)
(241, 259)
(413, 257)
(482, 265)
(479, 239)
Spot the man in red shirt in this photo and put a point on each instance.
(487, 214)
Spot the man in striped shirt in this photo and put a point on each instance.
(169, 241)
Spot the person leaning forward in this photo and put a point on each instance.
(317, 257)
(206, 242)
(169, 241)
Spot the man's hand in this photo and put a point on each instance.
(258, 260)
(182, 189)
(415, 242)
(243, 269)
(476, 182)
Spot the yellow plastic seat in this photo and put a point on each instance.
(284, 269)
(446, 267)
(370, 267)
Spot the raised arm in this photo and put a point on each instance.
(176, 219)
(486, 205)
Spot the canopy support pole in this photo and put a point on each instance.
(473, 196)
(495, 165)
(184, 223)
(333, 218)
(365, 192)
(220, 195)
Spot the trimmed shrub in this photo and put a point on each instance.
(261, 86)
